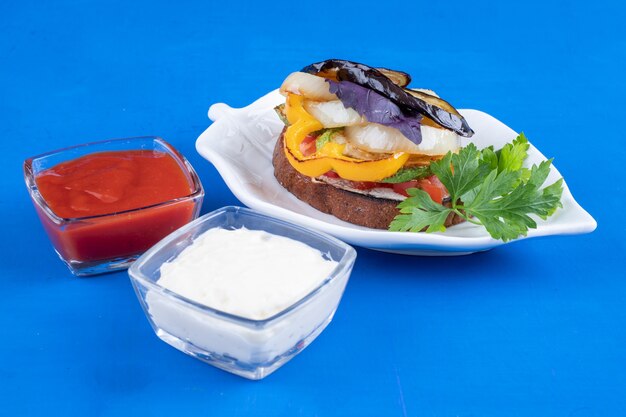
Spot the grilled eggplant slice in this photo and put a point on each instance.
(410, 101)
(399, 78)
(432, 99)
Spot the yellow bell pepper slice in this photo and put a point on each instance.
(330, 157)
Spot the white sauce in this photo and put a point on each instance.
(249, 276)
(249, 273)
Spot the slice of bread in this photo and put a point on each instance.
(364, 210)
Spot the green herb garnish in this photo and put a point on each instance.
(325, 137)
(280, 111)
(408, 174)
(488, 188)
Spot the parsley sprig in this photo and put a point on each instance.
(487, 187)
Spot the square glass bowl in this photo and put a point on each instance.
(250, 348)
(112, 241)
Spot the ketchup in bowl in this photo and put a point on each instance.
(106, 203)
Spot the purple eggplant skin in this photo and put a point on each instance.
(442, 113)
(399, 78)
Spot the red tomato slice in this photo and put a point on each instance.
(307, 146)
(435, 189)
(435, 181)
(401, 187)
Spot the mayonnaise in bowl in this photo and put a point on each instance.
(248, 273)
(241, 290)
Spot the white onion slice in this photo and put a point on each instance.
(333, 113)
(307, 85)
(374, 137)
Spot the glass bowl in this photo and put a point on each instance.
(112, 241)
(246, 347)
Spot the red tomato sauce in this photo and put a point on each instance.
(112, 186)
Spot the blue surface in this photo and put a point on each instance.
(531, 329)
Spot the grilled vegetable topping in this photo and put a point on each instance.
(398, 77)
(411, 102)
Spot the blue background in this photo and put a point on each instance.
(534, 328)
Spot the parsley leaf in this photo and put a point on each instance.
(512, 155)
(488, 188)
(408, 174)
(507, 217)
(432, 218)
(467, 172)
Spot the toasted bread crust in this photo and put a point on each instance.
(364, 210)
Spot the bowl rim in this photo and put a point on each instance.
(137, 275)
(40, 201)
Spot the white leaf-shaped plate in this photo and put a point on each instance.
(240, 144)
